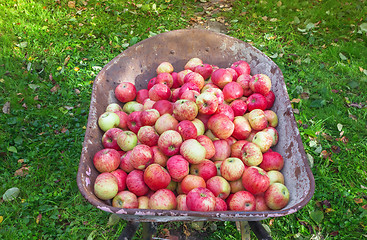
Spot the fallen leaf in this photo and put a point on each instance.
(76, 69)
(295, 100)
(6, 108)
(354, 117)
(25, 106)
(38, 218)
(271, 222)
(55, 88)
(11, 194)
(113, 219)
(335, 233)
(325, 154)
(1, 219)
(71, 4)
(335, 149)
(77, 91)
(22, 171)
(279, 3)
(358, 200)
(364, 206)
(63, 130)
(304, 95)
(339, 126)
(327, 137)
(66, 60)
(21, 160)
(327, 210)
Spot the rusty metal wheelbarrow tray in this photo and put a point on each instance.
(137, 64)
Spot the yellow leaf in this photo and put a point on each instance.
(76, 69)
(1, 219)
(327, 210)
(38, 219)
(59, 68)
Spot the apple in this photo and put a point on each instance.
(109, 138)
(108, 120)
(220, 204)
(134, 121)
(222, 150)
(244, 81)
(113, 107)
(237, 185)
(156, 177)
(185, 110)
(163, 199)
(159, 91)
(164, 67)
(125, 92)
(256, 101)
(164, 78)
(165, 122)
(181, 202)
(178, 167)
(159, 157)
(148, 104)
(232, 91)
(237, 147)
(132, 106)
(190, 95)
(125, 163)
(209, 85)
(127, 140)
(193, 151)
(141, 156)
(231, 140)
(148, 135)
(187, 129)
(242, 128)
(142, 95)
(251, 136)
(200, 199)
(151, 83)
(149, 117)
(219, 186)
(221, 77)
(192, 63)
(123, 119)
(105, 186)
(264, 140)
(274, 133)
(125, 199)
(272, 118)
(251, 154)
(175, 83)
(217, 165)
(206, 169)
(175, 94)
(121, 179)
(225, 109)
(170, 142)
(239, 107)
(275, 176)
(208, 145)
(106, 160)
(260, 203)
(135, 183)
(272, 161)
(270, 99)
(242, 201)
(200, 127)
(232, 169)
(241, 67)
(195, 78)
(143, 202)
(205, 70)
(163, 106)
(221, 126)
(181, 76)
(217, 92)
(255, 180)
(190, 182)
(234, 73)
(260, 83)
(207, 103)
(257, 119)
(277, 196)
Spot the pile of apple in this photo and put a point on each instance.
(199, 139)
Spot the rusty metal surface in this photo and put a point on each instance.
(137, 64)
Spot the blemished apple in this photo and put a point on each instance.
(205, 70)
(123, 120)
(255, 180)
(244, 81)
(190, 182)
(178, 167)
(159, 91)
(125, 199)
(220, 205)
(170, 142)
(273, 133)
(251, 154)
(232, 91)
(221, 77)
(241, 67)
(143, 202)
(260, 83)
(163, 106)
(132, 106)
(192, 63)
(108, 120)
(207, 103)
(272, 161)
(237, 186)
(219, 186)
(257, 119)
(125, 162)
(206, 169)
(272, 118)
(164, 78)
(260, 203)
(135, 183)
(195, 78)
(225, 109)
(127, 140)
(109, 138)
(242, 128)
(200, 127)
(222, 150)
(270, 99)
(207, 144)
(237, 147)
(232, 169)
(264, 140)
(156, 177)
(193, 151)
(159, 157)
(276, 196)
(181, 202)
(165, 122)
(216, 91)
(106, 160)
(163, 199)
(190, 95)
(142, 95)
(113, 107)
(105, 186)
(134, 121)
(121, 179)
(221, 126)
(275, 176)
(200, 199)
(141, 156)
(239, 107)
(184, 109)
(125, 92)
(187, 129)
(242, 201)
(256, 101)
(164, 67)
(149, 117)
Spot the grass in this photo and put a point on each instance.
(50, 54)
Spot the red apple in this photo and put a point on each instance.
(156, 177)
(125, 199)
(221, 126)
(217, 92)
(135, 183)
(207, 103)
(190, 95)
(236, 148)
(121, 179)
(260, 83)
(222, 150)
(206, 169)
(256, 101)
(275, 176)
(175, 84)
(272, 161)
(165, 122)
(143, 202)
(163, 106)
(113, 107)
(178, 167)
(192, 63)
(232, 169)
(151, 83)
(185, 110)
(234, 74)
(209, 85)
(159, 157)
(181, 202)
(175, 94)
(105, 186)
(164, 78)
(244, 81)
(251, 154)
(149, 117)
(190, 182)
(164, 67)
(200, 199)
(255, 180)
(232, 91)
(242, 128)
(163, 199)
(195, 78)
(181, 76)
(264, 140)
(237, 185)
(148, 135)
(170, 142)
(159, 91)
(193, 151)
(125, 92)
(219, 186)
(220, 204)
(141, 156)
(205, 70)
(270, 99)
(200, 127)
(134, 121)
(260, 203)
(123, 119)
(257, 119)
(106, 160)
(109, 138)
(221, 77)
(187, 129)
(148, 104)
(242, 201)
(142, 95)
(208, 145)
(274, 133)
(272, 118)
(277, 196)
(225, 109)
(204, 118)
(241, 67)
(239, 107)
(125, 163)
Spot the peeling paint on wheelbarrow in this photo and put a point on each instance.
(137, 64)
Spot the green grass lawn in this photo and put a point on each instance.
(51, 51)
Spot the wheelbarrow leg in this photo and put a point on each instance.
(129, 230)
(148, 229)
(259, 230)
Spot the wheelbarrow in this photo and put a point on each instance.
(137, 64)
